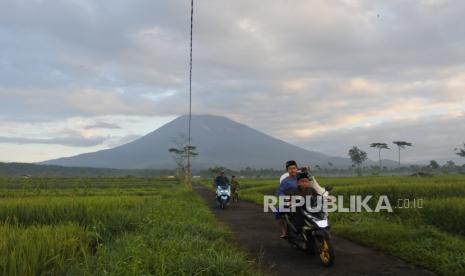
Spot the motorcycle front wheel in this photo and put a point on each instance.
(326, 252)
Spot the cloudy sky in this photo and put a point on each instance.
(81, 75)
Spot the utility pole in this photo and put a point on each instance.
(189, 165)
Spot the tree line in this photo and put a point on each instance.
(358, 156)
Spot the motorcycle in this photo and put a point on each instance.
(310, 232)
(223, 196)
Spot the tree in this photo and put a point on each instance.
(434, 165)
(460, 152)
(216, 170)
(401, 145)
(357, 156)
(449, 166)
(379, 146)
(180, 155)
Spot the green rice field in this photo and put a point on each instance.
(111, 226)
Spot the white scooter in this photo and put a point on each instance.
(223, 195)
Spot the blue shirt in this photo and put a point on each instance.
(287, 183)
(221, 181)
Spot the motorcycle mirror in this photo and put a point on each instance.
(328, 188)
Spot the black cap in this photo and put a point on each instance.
(290, 163)
(302, 175)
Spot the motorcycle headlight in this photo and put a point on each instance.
(322, 223)
(315, 216)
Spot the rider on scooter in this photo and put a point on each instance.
(289, 181)
(303, 189)
(221, 180)
(312, 180)
(285, 183)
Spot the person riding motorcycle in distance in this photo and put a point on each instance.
(234, 185)
(221, 180)
(286, 183)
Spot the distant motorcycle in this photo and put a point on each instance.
(312, 233)
(223, 195)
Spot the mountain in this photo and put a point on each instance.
(219, 140)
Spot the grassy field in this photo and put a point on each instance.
(111, 226)
(432, 236)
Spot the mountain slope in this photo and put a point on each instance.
(219, 140)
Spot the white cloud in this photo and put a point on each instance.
(295, 70)
(433, 137)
